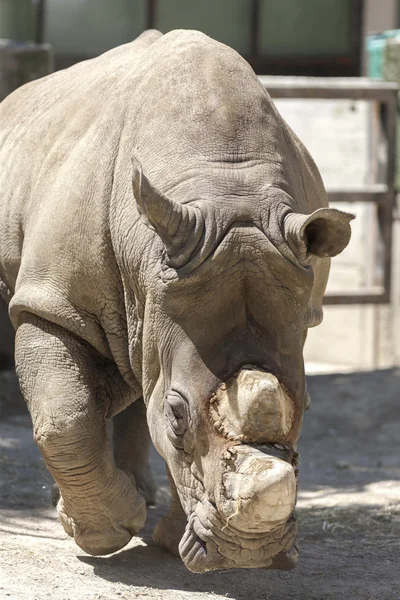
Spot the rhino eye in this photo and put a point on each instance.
(176, 412)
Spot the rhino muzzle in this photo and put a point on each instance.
(250, 521)
(257, 490)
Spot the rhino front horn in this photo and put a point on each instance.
(179, 226)
(253, 406)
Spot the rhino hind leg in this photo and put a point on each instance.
(131, 440)
(63, 382)
(169, 530)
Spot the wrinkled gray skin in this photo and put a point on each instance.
(159, 239)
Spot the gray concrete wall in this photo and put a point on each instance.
(380, 15)
(350, 337)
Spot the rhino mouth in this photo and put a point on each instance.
(215, 539)
(210, 544)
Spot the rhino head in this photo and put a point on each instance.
(233, 292)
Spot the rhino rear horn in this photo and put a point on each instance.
(179, 226)
(324, 233)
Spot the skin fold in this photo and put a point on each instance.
(165, 242)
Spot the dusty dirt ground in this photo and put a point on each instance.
(348, 510)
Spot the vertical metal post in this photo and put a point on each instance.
(151, 13)
(40, 20)
(385, 210)
(356, 20)
(254, 28)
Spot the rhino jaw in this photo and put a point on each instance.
(210, 543)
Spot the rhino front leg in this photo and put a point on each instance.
(63, 381)
(131, 439)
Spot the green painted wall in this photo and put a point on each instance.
(287, 27)
(17, 20)
(295, 27)
(225, 20)
(91, 27)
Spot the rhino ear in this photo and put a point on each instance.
(179, 226)
(326, 232)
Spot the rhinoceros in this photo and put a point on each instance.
(165, 245)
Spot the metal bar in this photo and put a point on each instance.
(328, 94)
(374, 135)
(376, 193)
(40, 20)
(254, 20)
(328, 83)
(341, 298)
(347, 88)
(356, 27)
(389, 126)
(374, 161)
(385, 210)
(150, 13)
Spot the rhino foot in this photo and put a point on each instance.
(55, 494)
(146, 486)
(101, 528)
(168, 533)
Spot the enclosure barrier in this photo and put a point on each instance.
(381, 188)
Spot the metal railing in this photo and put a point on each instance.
(381, 189)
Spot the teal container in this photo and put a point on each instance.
(376, 46)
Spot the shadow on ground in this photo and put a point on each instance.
(331, 543)
(348, 509)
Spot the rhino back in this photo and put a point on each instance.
(206, 116)
(59, 139)
(195, 115)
